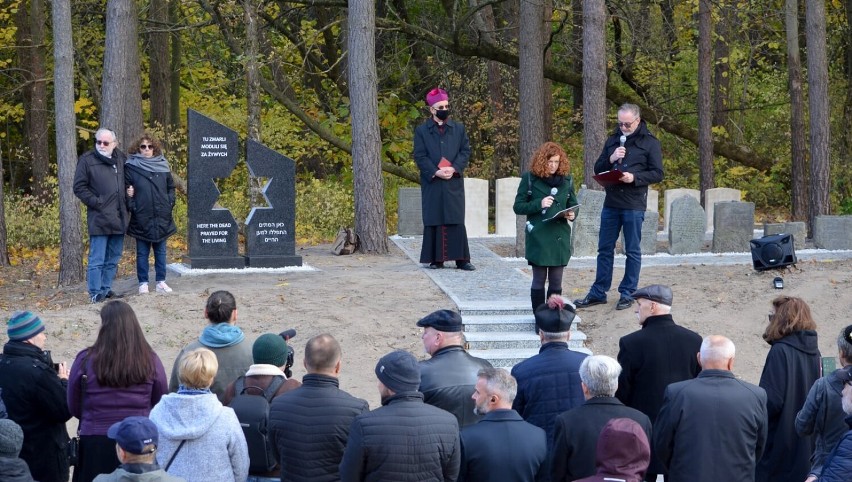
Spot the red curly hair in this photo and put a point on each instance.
(538, 164)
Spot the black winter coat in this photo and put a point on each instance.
(502, 446)
(99, 183)
(151, 205)
(36, 399)
(442, 199)
(838, 465)
(644, 159)
(447, 381)
(711, 428)
(792, 366)
(405, 440)
(310, 426)
(575, 438)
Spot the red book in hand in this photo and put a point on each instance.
(444, 163)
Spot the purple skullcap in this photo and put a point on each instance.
(436, 95)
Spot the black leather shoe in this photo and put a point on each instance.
(624, 303)
(587, 302)
(436, 265)
(112, 295)
(466, 266)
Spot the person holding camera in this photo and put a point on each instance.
(34, 392)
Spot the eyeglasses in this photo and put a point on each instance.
(146, 146)
(626, 125)
(103, 143)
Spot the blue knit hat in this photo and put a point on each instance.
(24, 325)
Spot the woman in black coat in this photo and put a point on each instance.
(544, 192)
(792, 366)
(152, 197)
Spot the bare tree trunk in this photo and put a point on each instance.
(594, 86)
(32, 55)
(369, 187)
(845, 190)
(705, 107)
(158, 73)
(174, 66)
(252, 74)
(71, 236)
(122, 86)
(798, 146)
(531, 97)
(819, 110)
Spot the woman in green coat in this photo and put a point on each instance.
(544, 194)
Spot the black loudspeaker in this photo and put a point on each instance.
(773, 251)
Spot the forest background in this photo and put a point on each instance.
(754, 96)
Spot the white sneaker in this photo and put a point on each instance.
(162, 287)
(143, 288)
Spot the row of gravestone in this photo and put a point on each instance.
(731, 221)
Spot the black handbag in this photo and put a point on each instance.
(73, 448)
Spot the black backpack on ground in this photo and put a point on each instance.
(251, 404)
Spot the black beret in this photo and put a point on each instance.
(554, 320)
(442, 320)
(660, 293)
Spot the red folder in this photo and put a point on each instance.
(444, 163)
(608, 178)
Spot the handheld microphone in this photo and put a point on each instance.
(553, 192)
(287, 334)
(622, 140)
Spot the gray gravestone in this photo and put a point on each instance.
(715, 195)
(798, 229)
(587, 225)
(409, 212)
(505, 190)
(833, 232)
(686, 231)
(212, 231)
(271, 231)
(668, 198)
(475, 207)
(733, 227)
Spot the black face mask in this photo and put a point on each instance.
(442, 114)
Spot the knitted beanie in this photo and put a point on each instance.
(11, 438)
(270, 349)
(24, 325)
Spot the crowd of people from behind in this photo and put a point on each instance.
(669, 405)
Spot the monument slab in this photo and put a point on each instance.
(833, 232)
(686, 232)
(409, 212)
(504, 198)
(476, 206)
(733, 227)
(587, 224)
(670, 195)
(715, 195)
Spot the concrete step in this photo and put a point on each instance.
(474, 323)
(507, 358)
(507, 340)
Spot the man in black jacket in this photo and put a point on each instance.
(310, 425)
(35, 396)
(713, 427)
(657, 355)
(404, 440)
(99, 183)
(448, 378)
(633, 150)
(576, 434)
(501, 446)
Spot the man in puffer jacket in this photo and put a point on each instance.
(99, 183)
(405, 440)
(838, 465)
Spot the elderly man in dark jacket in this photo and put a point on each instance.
(99, 183)
(405, 439)
(35, 396)
(442, 151)
(660, 353)
(713, 427)
(501, 446)
(549, 383)
(447, 379)
(577, 430)
(633, 150)
(310, 425)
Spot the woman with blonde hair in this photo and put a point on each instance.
(117, 377)
(543, 195)
(200, 439)
(792, 366)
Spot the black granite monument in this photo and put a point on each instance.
(270, 231)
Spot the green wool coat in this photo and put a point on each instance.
(549, 243)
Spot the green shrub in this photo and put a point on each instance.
(322, 207)
(33, 222)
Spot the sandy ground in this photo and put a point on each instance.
(371, 303)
